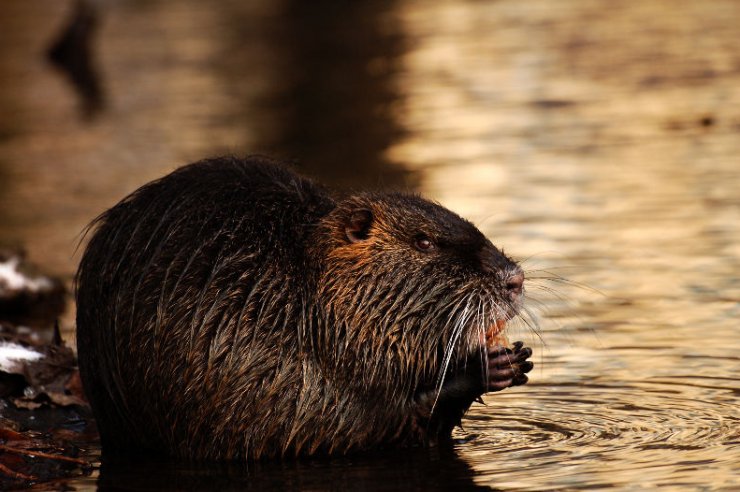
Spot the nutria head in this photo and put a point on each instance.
(408, 291)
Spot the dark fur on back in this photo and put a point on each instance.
(223, 313)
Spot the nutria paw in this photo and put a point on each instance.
(508, 366)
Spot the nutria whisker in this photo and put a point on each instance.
(557, 294)
(557, 278)
(482, 347)
(579, 285)
(447, 357)
(489, 319)
(533, 324)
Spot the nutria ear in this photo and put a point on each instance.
(358, 225)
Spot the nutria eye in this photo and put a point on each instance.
(423, 243)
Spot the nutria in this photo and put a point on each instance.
(235, 310)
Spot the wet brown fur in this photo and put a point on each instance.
(225, 313)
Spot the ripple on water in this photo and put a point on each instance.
(592, 434)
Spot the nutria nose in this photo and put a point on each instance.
(514, 285)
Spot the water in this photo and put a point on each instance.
(599, 142)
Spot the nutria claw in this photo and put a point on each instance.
(508, 366)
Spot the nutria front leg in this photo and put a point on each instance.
(508, 366)
(438, 414)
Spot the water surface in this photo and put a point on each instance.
(598, 144)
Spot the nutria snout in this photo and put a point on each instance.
(235, 310)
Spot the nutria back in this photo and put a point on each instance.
(235, 310)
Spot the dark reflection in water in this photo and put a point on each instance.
(313, 83)
(73, 53)
(331, 94)
(334, 91)
(408, 470)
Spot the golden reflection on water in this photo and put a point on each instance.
(605, 141)
(599, 142)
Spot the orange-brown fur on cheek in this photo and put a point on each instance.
(393, 309)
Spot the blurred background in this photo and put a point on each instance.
(597, 141)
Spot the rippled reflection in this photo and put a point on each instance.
(597, 142)
(606, 145)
